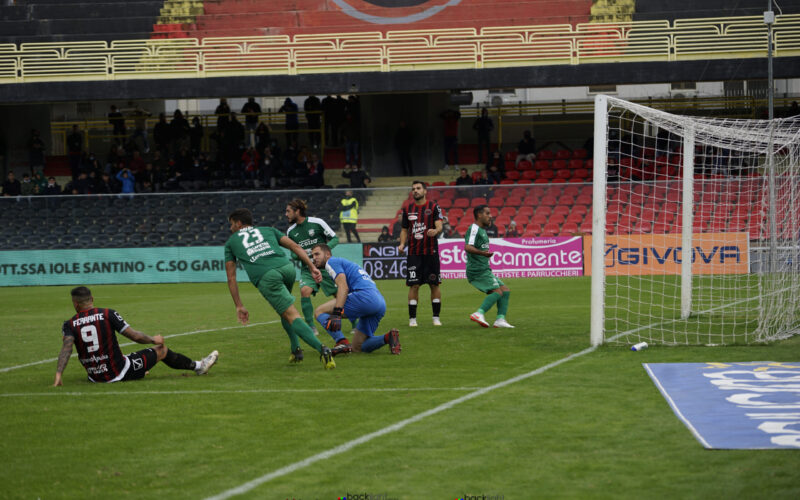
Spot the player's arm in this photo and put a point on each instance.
(334, 323)
(287, 242)
(403, 238)
(63, 358)
(141, 338)
(477, 251)
(341, 290)
(437, 229)
(241, 312)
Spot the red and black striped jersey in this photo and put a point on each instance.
(417, 219)
(96, 341)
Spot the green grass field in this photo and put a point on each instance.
(592, 427)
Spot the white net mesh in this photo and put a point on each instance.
(743, 227)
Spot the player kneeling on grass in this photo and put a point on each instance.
(357, 296)
(480, 275)
(92, 329)
(258, 250)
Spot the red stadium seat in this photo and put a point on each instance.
(461, 203)
(549, 201)
(563, 154)
(541, 165)
(575, 217)
(455, 214)
(529, 174)
(580, 153)
(524, 165)
(445, 203)
(561, 210)
(550, 229)
(547, 174)
(575, 164)
(545, 154)
(512, 176)
(477, 202)
(559, 164)
(586, 227)
(526, 210)
(509, 211)
(569, 228)
(496, 201)
(508, 182)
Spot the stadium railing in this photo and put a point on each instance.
(681, 40)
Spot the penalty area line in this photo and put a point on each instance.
(338, 450)
(51, 360)
(236, 391)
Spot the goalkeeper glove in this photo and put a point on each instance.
(334, 323)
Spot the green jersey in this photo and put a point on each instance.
(311, 232)
(258, 250)
(477, 237)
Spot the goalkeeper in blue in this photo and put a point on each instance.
(479, 274)
(357, 296)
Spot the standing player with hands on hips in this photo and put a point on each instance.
(421, 226)
(258, 249)
(480, 275)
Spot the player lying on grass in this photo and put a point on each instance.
(357, 296)
(91, 331)
(258, 249)
(480, 275)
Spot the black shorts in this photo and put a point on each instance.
(423, 270)
(141, 361)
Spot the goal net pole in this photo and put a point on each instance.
(688, 224)
(599, 218)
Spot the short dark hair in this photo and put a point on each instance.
(81, 294)
(298, 205)
(325, 248)
(419, 182)
(477, 210)
(242, 215)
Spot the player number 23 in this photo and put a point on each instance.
(89, 336)
(253, 233)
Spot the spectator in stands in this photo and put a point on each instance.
(385, 237)
(289, 164)
(263, 138)
(449, 231)
(403, 139)
(137, 163)
(223, 113)
(39, 180)
(196, 135)
(511, 230)
(11, 186)
(351, 131)
(250, 164)
(179, 130)
(117, 122)
(52, 187)
(480, 178)
(396, 228)
(268, 168)
(149, 175)
(450, 118)
(236, 134)
(348, 215)
(497, 161)
(81, 185)
(354, 107)
(36, 149)
(104, 185)
(291, 121)
(251, 111)
(463, 179)
(140, 116)
(162, 134)
(494, 176)
(484, 126)
(492, 230)
(74, 151)
(315, 173)
(126, 177)
(26, 186)
(312, 106)
(331, 127)
(358, 178)
(526, 149)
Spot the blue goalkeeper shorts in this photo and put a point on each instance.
(368, 306)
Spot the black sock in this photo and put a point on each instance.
(437, 307)
(178, 361)
(412, 310)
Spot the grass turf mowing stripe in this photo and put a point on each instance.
(9, 368)
(244, 488)
(238, 391)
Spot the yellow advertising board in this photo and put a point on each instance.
(660, 254)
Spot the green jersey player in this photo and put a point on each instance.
(480, 275)
(258, 250)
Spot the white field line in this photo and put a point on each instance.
(236, 391)
(675, 408)
(51, 360)
(244, 488)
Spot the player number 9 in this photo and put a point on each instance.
(89, 336)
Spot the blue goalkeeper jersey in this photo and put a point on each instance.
(357, 278)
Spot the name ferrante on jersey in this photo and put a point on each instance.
(88, 319)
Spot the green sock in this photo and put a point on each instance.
(502, 305)
(293, 339)
(488, 302)
(308, 310)
(302, 330)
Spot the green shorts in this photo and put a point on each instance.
(328, 286)
(485, 282)
(276, 286)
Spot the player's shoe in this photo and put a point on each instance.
(394, 341)
(412, 322)
(327, 358)
(296, 356)
(437, 321)
(502, 323)
(342, 347)
(206, 363)
(478, 318)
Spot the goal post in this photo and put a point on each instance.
(695, 227)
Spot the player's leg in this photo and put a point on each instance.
(487, 283)
(413, 281)
(140, 363)
(178, 361)
(502, 308)
(323, 313)
(432, 276)
(306, 306)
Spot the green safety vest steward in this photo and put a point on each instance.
(349, 211)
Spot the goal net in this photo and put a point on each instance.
(695, 227)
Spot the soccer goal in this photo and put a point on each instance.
(695, 227)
